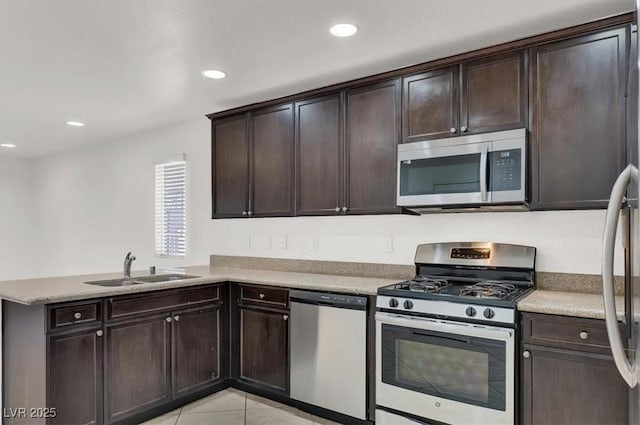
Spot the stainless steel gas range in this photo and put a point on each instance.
(446, 340)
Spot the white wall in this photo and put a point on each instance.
(16, 217)
(94, 205)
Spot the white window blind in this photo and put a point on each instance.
(171, 215)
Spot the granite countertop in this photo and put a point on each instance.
(70, 288)
(577, 304)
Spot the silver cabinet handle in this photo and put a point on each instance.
(628, 371)
(344, 209)
(463, 129)
(168, 319)
(526, 354)
(452, 130)
(261, 296)
(249, 213)
(337, 209)
(176, 318)
(285, 316)
(584, 335)
(99, 332)
(77, 315)
(244, 213)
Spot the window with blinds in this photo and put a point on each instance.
(171, 218)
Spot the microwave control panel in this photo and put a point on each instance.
(505, 169)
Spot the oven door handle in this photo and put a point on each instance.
(431, 335)
(466, 329)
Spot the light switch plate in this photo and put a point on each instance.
(388, 244)
(313, 243)
(282, 242)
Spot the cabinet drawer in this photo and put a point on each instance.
(151, 302)
(566, 332)
(74, 314)
(264, 295)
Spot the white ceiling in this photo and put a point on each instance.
(125, 67)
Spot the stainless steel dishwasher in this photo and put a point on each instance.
(328, 351)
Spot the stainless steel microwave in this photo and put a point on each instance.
(480, 170)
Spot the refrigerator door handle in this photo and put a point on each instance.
(628, 371)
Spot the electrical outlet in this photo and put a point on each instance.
(388, 244)
(282, 242)
(313, 243)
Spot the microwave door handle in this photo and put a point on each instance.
(483, 173)
(626, 369)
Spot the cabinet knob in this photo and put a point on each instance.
(249, 213)
(176, 318)
(285, 316)
(77, 315)
(584, 335)
(244, 213)
(453, 130)
(344, 209)
(261, 296)
(168, 319)
(526, 354)
(337, 209)
(463, 129)
(99, 332)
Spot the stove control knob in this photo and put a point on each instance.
(470, 311)
(408, 305)
(488, 313)
(393, 302)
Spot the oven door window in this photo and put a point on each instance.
(440, 175)
(454, 367)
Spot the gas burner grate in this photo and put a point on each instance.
(428, 284)
(489, 289)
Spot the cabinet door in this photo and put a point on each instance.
(196, 349)
(569, 387)
(319, 153)
(230, 174)
(494, 94)
(372, 137)
(273, 155)
(137, 367)
(430, 105)
(578, 120)
(264, 348)
(74, 377)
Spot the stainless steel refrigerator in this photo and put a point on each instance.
(623, 216)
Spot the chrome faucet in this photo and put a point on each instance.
(127, 265)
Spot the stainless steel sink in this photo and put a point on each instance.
(155, 278)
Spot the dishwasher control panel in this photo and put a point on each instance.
(331, 300)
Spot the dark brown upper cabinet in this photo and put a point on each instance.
(272, 156)
(577, 119)
(230, 166)
(372, 137)
(430, 105)
(253, 156)
(475, 97)
(319, 145)
(493, 94)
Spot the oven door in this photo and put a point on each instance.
(451, 372)
(431, 175)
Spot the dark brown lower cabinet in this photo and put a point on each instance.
(74, 377)
(137, 366)
(264, 347)
(195, 349)
(567, 374)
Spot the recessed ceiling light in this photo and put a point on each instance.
(75, 123)
(343, 30)
(7, 145)
(213, 73)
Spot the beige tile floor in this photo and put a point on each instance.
(235, 407)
